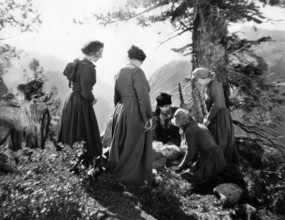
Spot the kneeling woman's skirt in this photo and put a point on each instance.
(207, 167)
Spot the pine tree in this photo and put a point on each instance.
(212, 46)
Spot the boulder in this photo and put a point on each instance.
(228, 193)
(4, 167)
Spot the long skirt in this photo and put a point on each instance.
(79, 123)
(130, 156)
(221, 127)
(206, 168)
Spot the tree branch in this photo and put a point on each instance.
(168, 39)
(259, 133)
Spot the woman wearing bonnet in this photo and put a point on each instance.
(204, 159)
(218, 120)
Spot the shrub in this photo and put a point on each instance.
(44, 189)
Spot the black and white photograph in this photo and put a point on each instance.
(142, 109)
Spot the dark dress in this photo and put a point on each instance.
(210, 159)
(78, 120)
(221, 125)
(131, 149)
(163, 130)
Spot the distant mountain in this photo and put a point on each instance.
(254, 33)
(53, 69)
(102, 92)
(166, 79)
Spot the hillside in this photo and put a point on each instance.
(166, 79)
(53, 68)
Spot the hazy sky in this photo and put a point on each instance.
(60, 37)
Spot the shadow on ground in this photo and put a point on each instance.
(140, 203)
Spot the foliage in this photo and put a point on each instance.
(43, 188)
(37, 71)
(181, 13)
(232, 58)
(265, 185)
(6, 54)
(19, 15)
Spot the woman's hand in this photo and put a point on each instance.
(148, 125)
(185, 106)
(178, 170)
(206, 122)
(94, 102)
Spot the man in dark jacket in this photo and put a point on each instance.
(163, 130)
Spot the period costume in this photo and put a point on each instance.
(78, 120)
(130, 156)
(204, 159)
(221, 125)
(163, 130)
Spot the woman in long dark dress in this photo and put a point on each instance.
(130, 157)
(218, 120)
(204, 159)
(78, 120)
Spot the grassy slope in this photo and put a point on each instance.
(44, 189)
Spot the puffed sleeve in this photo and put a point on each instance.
(191, 149)
(86, 84)
(217, 97)
(142, 88)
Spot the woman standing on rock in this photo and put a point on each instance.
(131, 148)
(78, 121)
(218, 120)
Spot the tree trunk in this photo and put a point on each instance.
(25, 121)
(209, 49)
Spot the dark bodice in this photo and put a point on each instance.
(84, 78)
(214, 98)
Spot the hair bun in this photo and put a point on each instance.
(136, 53)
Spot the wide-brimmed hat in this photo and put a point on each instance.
(181, 116)
(199, 73)
(163, 99)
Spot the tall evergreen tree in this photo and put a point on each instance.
(211, 46)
